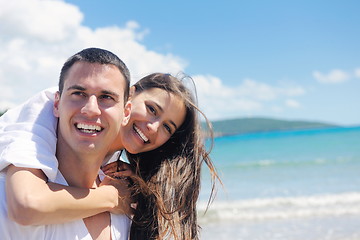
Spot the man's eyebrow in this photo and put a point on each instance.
(162, 110)
(81, 88)
(108, 92)
(76, 87)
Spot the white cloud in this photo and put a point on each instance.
(357, 72)
(334, 76)
(45, 21)
(250, 97)
(35, 40)
(37, 36)
(292, 103)
(276, 109)
(257, 90)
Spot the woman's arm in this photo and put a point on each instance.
(34, 201)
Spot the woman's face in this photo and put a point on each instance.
(155, 115)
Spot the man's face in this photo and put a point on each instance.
(90, 109)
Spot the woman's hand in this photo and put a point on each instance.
(118, 169)
(118, 175)
(124, 195)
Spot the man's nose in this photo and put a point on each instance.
(91, 107)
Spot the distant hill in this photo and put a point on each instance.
(252, 125)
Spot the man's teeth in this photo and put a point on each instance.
(141, 134)
(88, 128)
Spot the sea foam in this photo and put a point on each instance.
(282, 208)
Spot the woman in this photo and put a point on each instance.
(168, 178)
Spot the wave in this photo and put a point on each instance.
(281, 208)
(291, 162)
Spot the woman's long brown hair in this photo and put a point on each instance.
(168, 182)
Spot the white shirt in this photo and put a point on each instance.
(28, 139)
(29, 132)
(10, 230)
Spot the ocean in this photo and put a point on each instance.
(289, 185)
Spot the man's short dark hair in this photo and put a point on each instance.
(96, 55)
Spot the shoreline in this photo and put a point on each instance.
(219, 135)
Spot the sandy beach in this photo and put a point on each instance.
(325, 228)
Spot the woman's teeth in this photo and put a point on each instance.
(141, 134)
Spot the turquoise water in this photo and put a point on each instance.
(289, 178)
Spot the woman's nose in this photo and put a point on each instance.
(153, 126)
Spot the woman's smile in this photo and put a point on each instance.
(141, 134)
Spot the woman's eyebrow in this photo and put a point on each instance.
(173, 124)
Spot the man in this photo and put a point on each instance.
(90, 107)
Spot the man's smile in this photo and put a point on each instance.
(87, 128)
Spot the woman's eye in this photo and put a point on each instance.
(167, 128)
(151, 109)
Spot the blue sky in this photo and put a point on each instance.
(282, 59)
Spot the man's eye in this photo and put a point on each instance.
(78, 93)
(106, 97)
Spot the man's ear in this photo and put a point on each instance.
(131, 92)
(56, 104)
(127, 113)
